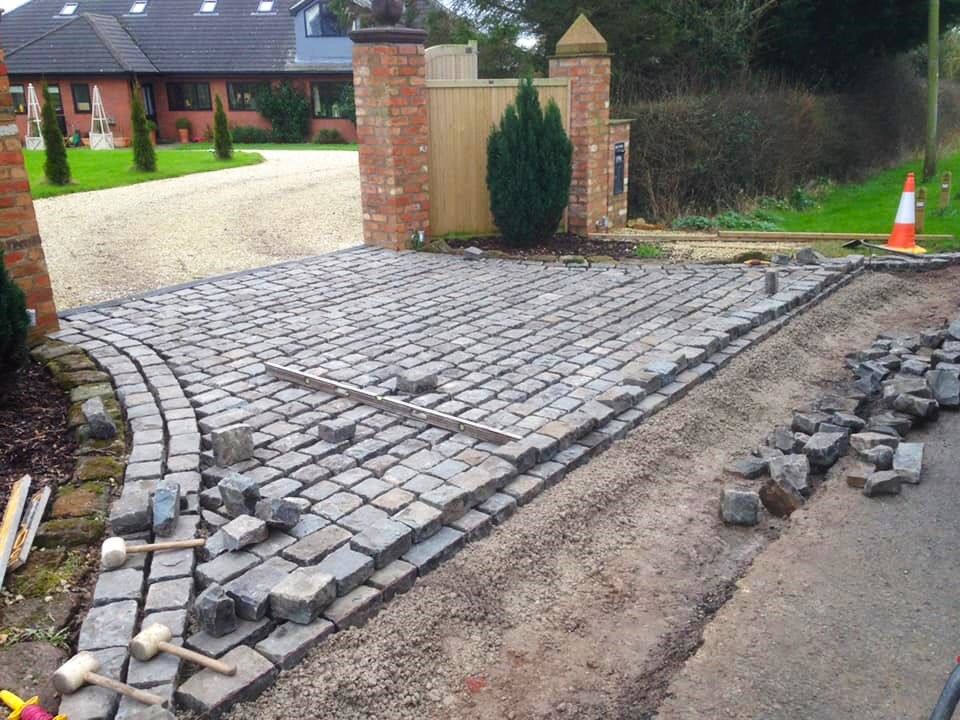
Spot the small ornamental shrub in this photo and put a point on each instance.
(183, 124)
(13, 323)
(529, 168)
(55, 167)
(251, 135)
(287, 108)
(329, 136)
(222, 144)
(144, 155)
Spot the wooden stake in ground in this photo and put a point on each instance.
(10, 525)
(28, 527)
(921, 212)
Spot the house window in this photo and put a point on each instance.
(138, 7)
(242, 95)
(69, 8)
(81, 97)
(328, 100)
(208, 6)
(19, 99)
(265, 6)
(188, 96)
(321, 21)
(55, 98)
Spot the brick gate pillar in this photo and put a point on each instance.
(390, 79)
(582, 57)
(19, 234)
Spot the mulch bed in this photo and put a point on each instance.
(559, 245)
(34, 437)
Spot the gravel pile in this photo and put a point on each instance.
(108, 244)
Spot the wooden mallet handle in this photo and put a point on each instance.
(195, 657)
(170, 545)
(119, 687)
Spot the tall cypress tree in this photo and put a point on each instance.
(55, 167)
(222, 143)
(144, 155)
(529, 169)
(13, 322)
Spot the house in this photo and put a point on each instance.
(182, 53)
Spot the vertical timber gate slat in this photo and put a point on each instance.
(462, 112)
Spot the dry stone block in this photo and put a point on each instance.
(232, 444)
(384, 541)
(825, 448)
(354, 608)
(251, 591)
(289, 643)
(278, 512)
(793, 470)
(166, 508)
(302, 595)
(215, 611)
(102, 426)
(243, 531)
(945, 386)
(740, 507)
(781, 499)
(908, 462)
(886, 482)
(240, 494)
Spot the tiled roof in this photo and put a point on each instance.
(172, 36)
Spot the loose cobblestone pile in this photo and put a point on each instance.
(570, 359)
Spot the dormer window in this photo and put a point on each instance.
(265, 6)
(321, 21)
(208, 6)
(138, 7)
(69, 9)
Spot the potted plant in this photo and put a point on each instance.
(183, 129)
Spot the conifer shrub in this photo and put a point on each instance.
(55, 166)
(529, 169)
(222, 143)
(144, 154)
(14, 323)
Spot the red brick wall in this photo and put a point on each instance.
(19, 235)
(589, 131)
(390, 81)
(617, 204)
(116, 100)
(201, 119)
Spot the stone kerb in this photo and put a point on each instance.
(19, 234)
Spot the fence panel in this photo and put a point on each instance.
(461, 115)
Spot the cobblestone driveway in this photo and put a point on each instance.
(569, 358)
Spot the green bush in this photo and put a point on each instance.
(329, 136)
(529, 168)
(693, 223)
(222, 144)
(144, 155)
(55, 167)
(248, 134)
(737, 221)
(14, 323)
(287, 108)
(182, 123)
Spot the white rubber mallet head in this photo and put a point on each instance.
(155, 639)
(114, 552)
(82, 669)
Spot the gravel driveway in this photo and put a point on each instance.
(112, 243)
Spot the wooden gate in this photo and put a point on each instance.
(462, 112)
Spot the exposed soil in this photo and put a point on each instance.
(557, 246)
(34, 438)
(584, 605)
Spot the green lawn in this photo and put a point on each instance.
(871, 206)
(265, 146)
(113, 168)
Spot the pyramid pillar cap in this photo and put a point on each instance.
(582, 38)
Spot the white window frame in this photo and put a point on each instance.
(68, 9)
(138, 8)
(207, 7)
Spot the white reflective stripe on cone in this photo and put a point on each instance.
(906, 214)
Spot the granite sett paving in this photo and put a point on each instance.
(568, 359)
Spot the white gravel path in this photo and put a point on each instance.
(113, 243)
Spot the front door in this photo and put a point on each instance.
(149, 104)
(54, 91)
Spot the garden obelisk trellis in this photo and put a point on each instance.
(34, 139)
(101, 136)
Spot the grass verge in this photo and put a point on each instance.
(102, 169)
(268, 146)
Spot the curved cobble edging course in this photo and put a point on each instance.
(570, 359)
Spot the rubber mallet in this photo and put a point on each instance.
(155, 639)
(82, 669)
(115, 550)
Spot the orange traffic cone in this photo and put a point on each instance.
(904, 235)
